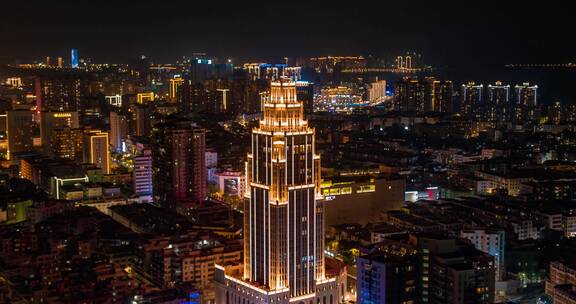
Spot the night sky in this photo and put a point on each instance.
(452, 34)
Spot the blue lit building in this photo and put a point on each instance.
(387, 277)
(74, 58)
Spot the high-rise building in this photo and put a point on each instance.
(145, 97)
(179, 162)
(175, 84)
(224, 105)
(118, 130)
(305, 94)
(410, 95)
(492, 242)
(74, 58)
(452, 272)
(19, 126)
(526, 94)
(377, 91)
(283, 218)
(525, 106)
(497, 102)
(67, 143)
(50, 120)
(97, 149)
(197, 97)
(114, 100)
(498, 93)
(387, 277)
(58, 93)
(141, 120)
(472, 98)
(423, 95)
(439, 96)
(142, 175)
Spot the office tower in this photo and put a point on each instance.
(60, 62)
(19, 127)
(141, 120)
(472, 98)
(179, 162)
(175, 84)
(142, 175)
(49, 121)
(61, 93)
(410, 95)
(377, 91)
(497, 102)
(439, 96)
(74, 58)
(67, 143)
(283, 218)
(492, 242)
(48, 61)
(387, 277)
(97, 149)
(118, 130)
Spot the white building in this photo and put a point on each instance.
(492, 242)
(377, 91)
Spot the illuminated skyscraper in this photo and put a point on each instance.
(377, 91)
(142, 175)
(423, 95)
(97, 150)
(74, 58)
(283, 218)
(439, 96)
(497, 102)
(410, 95)
(471, 98)
(526, 94)
(175, 84)
(55, 120)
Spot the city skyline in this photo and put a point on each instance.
(287, 153)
